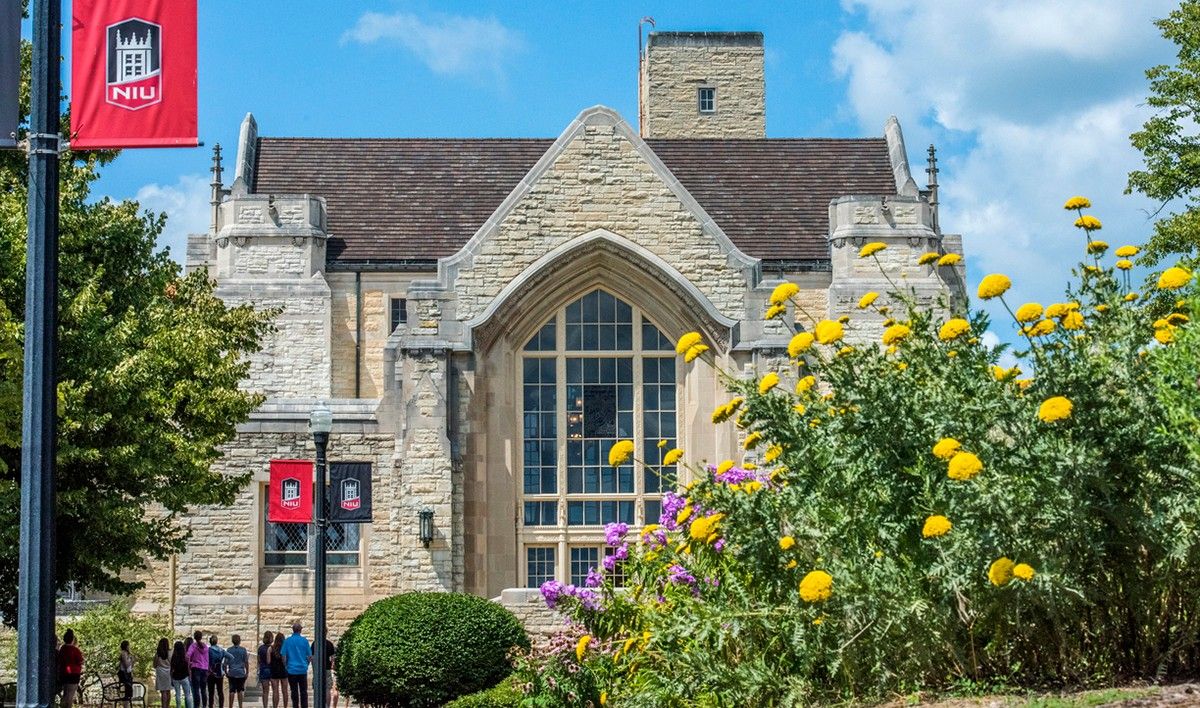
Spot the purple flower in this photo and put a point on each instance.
(672, 504)
(594, 578)
(719, 545)
(679, 575)
(657, 539)
(622, 552)
(609, 562)
(589, 599)
(552, 591)
(734, 475)
(613, 533)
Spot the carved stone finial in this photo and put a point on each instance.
(217, 190)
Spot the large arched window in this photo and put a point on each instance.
(599, 371)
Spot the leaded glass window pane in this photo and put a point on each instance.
(658, 423)
(539, 566)
(583, 560)
(599, 322)
(540, 426)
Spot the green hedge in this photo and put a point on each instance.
(505, 694)
(424, 649)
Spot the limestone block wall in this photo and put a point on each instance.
(678, 64)
(294, 361)
(600, 181)
(376, 291)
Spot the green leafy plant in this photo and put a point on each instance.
(101, 629)
(426, 648)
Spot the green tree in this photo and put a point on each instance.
(149, 363)
(1169, 142)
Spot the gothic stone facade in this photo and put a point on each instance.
(484, 317)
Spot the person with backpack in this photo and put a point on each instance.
(215, 693)
(264, 667)
(237, 666)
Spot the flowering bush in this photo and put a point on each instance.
(922, 515)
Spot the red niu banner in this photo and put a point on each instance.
(291, 491)
(133, 74)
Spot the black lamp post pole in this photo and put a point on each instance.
(319, 655)
(36, 590)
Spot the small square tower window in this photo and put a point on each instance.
(708, 99)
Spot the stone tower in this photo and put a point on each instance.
(702, 85)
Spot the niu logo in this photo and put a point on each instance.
(289, 493)
(134, 78)
(351, 494)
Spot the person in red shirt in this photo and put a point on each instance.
(70, 668)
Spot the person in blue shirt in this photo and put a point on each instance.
(298, 655)
(215, 690)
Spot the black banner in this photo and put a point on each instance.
(10, 70)
(350, 492)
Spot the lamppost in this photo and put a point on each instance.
(320, 422)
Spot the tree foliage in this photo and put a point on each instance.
(1169, 142)
(149, 363)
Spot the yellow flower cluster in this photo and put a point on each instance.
(672, 456)
(1173, 278)
(1087, 222)
(581, 646)
(773, 452)
(1097, 247)
(1029, 312)
(895, 334)
(774, 311)
(993, 285)
(935, 526)
(1126, 251)
(953, 329)
(950, 259)
(1003, 570)
(805, 384)
(1002, 374)
(1078, 203)
(690, 345)
(800, 344)
(945, 448)
(871, 249)
(783, 292)
(1059, 309)
(817, 586)
(725, 411)
(829, 331)
(705, 528)
(1039, 329)
(768, 382)
(927, 258)
(1124, 264)
(751, 440)
(867, 300)
(964, 466)
(787, 542)
(1054, 409)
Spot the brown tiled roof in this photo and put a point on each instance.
(395, 200)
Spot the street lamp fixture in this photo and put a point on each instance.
(320, 423)
(425, 530)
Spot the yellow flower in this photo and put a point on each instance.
(895, 334)
(1177, 318)
(936, 525)
(1124, 264)
(964, 466)
(800, 344)
(866, 300)
(800, 409)
(1166, 335)
(1126, 251)
(927, 258)
(791, 564)
(1058, 309)
(1000, 572)
(787, 542)
(843, 319)
(672, 456)
(724, 466)
(604, 696)
(694, 351)
(783, 292)
(1173, 278)
(993, 285)
(773, 452)
(1042, 328)
(1023, 571)
(704, 527)
(1088, 222)
(953, 329)
(662, 443)
(1101, 308)
(1029, 312)
(1054, 409)
(581, 646)
(751, 440)
(620, 452)
(725, 411)
(1024, 383)
(1130, 297)
(774, 311)
(946, 448)
(950, 259)
(1097, 247)
(687, 341)
(1002, 374)
(768, 382)
(1074, 320)
(817, 586)
(684, 514)
(805, 383)
(1078, 203)
(871, 249)
(752, 486)
(829, 331)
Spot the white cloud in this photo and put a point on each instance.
(1031, 101)
(186, 204)
(450, 45)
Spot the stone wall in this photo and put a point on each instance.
(678, 64)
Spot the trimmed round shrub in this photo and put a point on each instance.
(426, 648)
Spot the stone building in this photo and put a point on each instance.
(485, 317)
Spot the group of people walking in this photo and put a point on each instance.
(197, 670)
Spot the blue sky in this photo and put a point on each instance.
(1029, 101)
